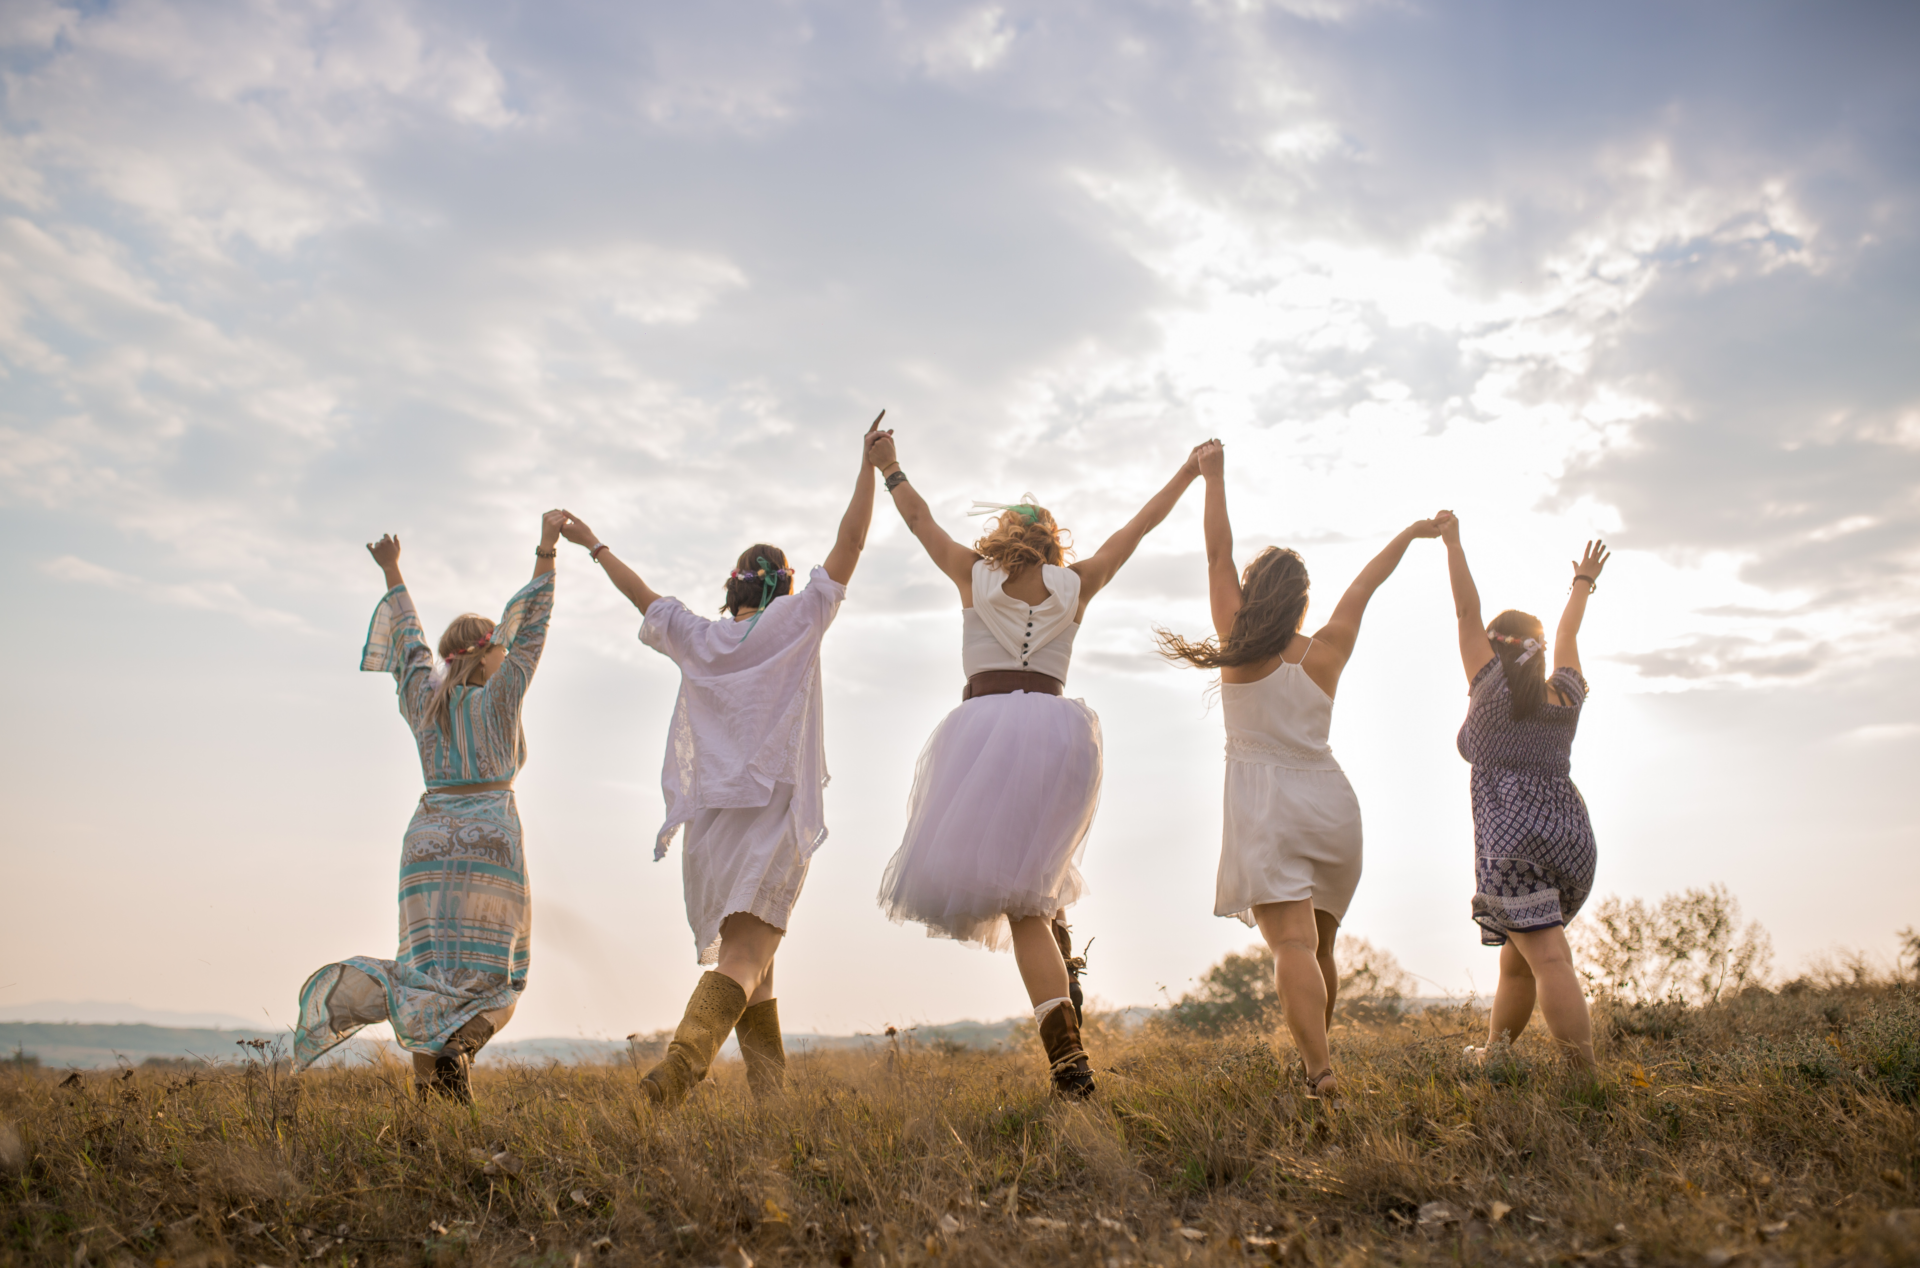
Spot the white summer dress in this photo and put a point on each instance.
(746, 764)
(1291, 827)
(1006, 788)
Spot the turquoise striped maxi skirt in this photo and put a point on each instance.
(466, 922)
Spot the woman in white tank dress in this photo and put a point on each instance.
(1290, 847)
(1006, 788)
(745, 774)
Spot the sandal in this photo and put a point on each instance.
(1318, 1088)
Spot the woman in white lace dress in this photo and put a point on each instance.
(745, 773)
(1006, 787)
(1290, 848)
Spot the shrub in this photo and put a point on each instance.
(1689, 948)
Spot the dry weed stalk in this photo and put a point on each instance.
(1767, 1128)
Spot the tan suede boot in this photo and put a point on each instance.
(716, 1005)
(762, 1050)
(1060, 1035)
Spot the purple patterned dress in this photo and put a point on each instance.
(1533, 847)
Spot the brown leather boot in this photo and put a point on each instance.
(453, 1064)
(1060, 1035)
(762, 1050)
(1076, 965)
(715, 1006)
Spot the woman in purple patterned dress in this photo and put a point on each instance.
(1533, 847)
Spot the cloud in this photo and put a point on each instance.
(205, 596)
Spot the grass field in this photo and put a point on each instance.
(1775, 1128)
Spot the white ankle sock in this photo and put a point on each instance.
(1040, 1011)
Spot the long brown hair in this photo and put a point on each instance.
(1526, 683)
(746, 592)
(467, 633)
(1013, 541)
(1273, 598)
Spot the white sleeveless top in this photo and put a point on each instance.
(1002, 632)
(1281, 720)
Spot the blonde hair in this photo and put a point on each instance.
(1273, 598)
(1013, 541)
(467, 632)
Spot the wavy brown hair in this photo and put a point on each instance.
(1526, 684)
(745, 592)
(1273, 598)
(1012, 541)
(468, 630)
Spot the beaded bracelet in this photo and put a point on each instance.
(1592, 585)
(546, 554)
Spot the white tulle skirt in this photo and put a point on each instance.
(1003, 796)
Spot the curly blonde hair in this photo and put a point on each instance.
(1014, 541)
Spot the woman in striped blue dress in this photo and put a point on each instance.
(465, 914)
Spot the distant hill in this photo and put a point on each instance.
(97, 1045)
(123, 1013)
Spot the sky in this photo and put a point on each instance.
(278, 277)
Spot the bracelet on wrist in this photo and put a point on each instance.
(550, 552)
(895, 480)
(1592, 585)
(594, 553)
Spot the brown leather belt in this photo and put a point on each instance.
(1000, 682)
(459, 790)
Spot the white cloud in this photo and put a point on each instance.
(205, 596)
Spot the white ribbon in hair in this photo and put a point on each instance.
(995, 508)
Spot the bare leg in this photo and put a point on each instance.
(1562, 1002)
(747, 947)
(1038, 955)
(1513, 999)
(1294, 937)
(1329, 971)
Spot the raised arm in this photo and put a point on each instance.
(1586, 579)
(1475, 648)
(1342, 629)
(845, 554)
(386, 553)
(549, 551)
(947, 554)
(1101, 567)
(1223, 579)
(624, 579)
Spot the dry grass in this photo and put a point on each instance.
(1766, 1129)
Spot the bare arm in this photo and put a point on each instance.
(947, 554)
(1342, 629)
(1105, 563)
(859, 517)
(1223, 579)
(1475, 648)
(386, 553)
(1566, 639)
(624, 579)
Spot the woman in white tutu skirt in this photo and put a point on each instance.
(1006, 787)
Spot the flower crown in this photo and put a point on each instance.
(748, 574)
(1530, 645)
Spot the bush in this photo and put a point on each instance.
(1239, 990)
(1689, 948)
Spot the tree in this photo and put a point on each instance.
(1240, 987)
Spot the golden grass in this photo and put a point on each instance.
(1767, 1129)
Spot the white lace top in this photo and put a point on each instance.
(1002, 632)
(749, 711)
(1281, 720)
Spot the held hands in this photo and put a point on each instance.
(1209, 459)
(1191, 469)
(386, 551)
(1425, 528)
(551, 526)
(576, 531)
(1449, 525)
(880, 454)
(1591, 561)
